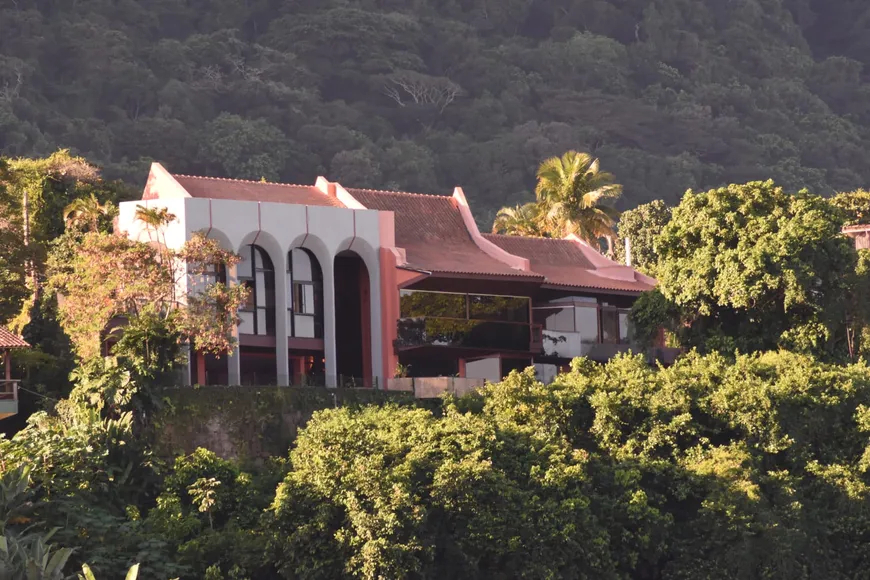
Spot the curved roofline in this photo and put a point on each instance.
(515, 262)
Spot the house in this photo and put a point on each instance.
(8, 385)
(348, 285)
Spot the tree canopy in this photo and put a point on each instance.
(751, 267)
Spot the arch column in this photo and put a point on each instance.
(376, 324)
(329, 349)
(281, 330)
(234, 361)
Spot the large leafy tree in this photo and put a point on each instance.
(753, 267)
(640, 227)
(855, 206)
(105, 276)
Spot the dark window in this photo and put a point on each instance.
(257, 273)
(556, 319)
(503, 308)
(438, 304)
(609, 325)
(305, 283)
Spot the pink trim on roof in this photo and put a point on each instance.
(515, 262)
(436, 236)
(569, 263)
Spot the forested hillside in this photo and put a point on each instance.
(424, 95)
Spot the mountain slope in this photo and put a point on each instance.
(671, 94)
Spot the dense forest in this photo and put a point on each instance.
(669, 94)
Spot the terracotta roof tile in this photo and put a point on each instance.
(431, 230)
(565, 263)
(218, 188)
(9, 340)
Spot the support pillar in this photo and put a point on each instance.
(234, 367)
(329, 349)
(282, 330)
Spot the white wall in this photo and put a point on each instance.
(487, 368)
(546, 372)
(277, 228)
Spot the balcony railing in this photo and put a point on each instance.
(462, 333)
(8, 398)
(8, 390)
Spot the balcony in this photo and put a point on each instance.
(8, 398)
(488, 335)
(434, 387)
(569, 345)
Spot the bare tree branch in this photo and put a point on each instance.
(411, 87)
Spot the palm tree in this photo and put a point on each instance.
(521, 220)
(154, 218)
(571, 190)
(85, 212)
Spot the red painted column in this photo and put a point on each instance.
(462, 368)
(366, 322)
(200, 369)
(389, 312)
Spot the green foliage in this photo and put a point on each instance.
(571, 194)
(712, 468)
(855, 206)
(751, 268)
(104, 277)
(24, 549)
(668, 95)
(641, 226)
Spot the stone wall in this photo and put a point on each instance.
(248, 423)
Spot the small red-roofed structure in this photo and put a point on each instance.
(9, 386)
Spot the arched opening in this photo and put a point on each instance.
(352, 321)
(257, 327)
(257, 273)
(207, 368)
(305, 317)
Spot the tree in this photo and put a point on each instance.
(108, 276)
(640, 227)
(571, 191)
(855, 206)
(521, 220)
(85, 213)
(752, 267)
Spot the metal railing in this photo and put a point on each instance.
(9, 389)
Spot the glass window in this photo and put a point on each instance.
(435, 304)
(304, 326)
(261, 296)
(246, 325)
(243, 270)
(625, 330)
(609, 325)
(586, 322)
(556, 319)
(305, 288)
(503, 308)
(249, 302)
(301, 265)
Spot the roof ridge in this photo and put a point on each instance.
(351, 189)
(243, 181)
(528, 237)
